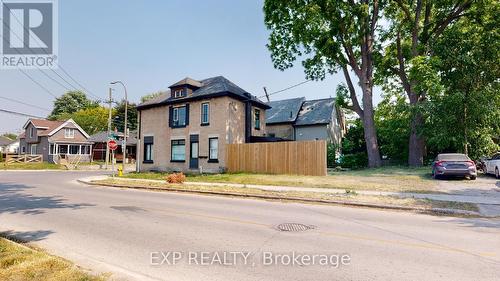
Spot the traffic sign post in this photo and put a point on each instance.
(112, 145)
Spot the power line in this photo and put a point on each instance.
(60, 66)
(27, 104)
(288, 88)
(36, 82)
(20, 113)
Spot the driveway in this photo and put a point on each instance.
(119, 231)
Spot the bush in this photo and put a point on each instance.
(331, 155)
(176, 178)
(354, 161)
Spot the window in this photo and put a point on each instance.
(178, 151)
(213, 148)
(86, 149)
(148, 149)
(52, 147)
(74, 149)
(69, 133)
(33, 149)
(205, 113)
(257, 119)
(177, 93)
(32, 132)
(179, 117)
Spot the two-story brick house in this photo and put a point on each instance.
(188, 127)
(55, 140)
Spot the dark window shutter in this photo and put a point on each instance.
(170, 117)
(187, 114)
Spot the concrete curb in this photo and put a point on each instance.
(438, 211)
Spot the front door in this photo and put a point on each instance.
(193, 152)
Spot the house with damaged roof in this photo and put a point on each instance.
(188, 127)
(299, 119)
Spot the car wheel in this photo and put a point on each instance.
(497, 174)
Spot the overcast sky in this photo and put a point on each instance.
(149, 45)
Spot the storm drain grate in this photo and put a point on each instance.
(294, 227)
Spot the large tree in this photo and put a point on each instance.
(119, 116)
(414, 25)
(330, 35)
(70, 103)
(468, 54)
(92, 119)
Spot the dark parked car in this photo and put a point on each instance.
(454, 164)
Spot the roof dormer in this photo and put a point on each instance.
(184, 88)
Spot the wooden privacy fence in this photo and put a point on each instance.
(295, 158)
(25, 158)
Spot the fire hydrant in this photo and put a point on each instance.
(120, 171)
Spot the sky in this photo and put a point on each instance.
(150, 45)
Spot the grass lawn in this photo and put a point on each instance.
(31, 166)
(348, 196)
(400, 179)
(22, 263)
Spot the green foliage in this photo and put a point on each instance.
(92, 120)
(151, 96)
(392, 119)
(70, 103)
(119, 116)
(354, 147)
(315, 31)
(331, 155)
(10, 136)
(464, 118)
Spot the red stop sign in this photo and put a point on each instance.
(112, 144)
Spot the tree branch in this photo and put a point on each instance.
(405, 10)
(416, 27)
(352, 92)
(401, 71)
(455, 14)
(374, 18)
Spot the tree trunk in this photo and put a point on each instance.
(371, 141)
(370, 131)
(417, 143)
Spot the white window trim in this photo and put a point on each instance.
(71, 135)
(210, 149)
(31, 149)
(208, 113)
(175, 114)
(31, 132)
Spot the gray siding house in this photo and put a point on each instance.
(297, 119)
(55, 141)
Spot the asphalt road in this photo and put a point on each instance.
(131, 233)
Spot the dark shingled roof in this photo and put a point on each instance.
(187, 81)
(283, 111)
(211, 87)
(316, 112)
(103, 136)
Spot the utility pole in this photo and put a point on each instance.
(267, 95)
(109, 127)
(124, 144)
